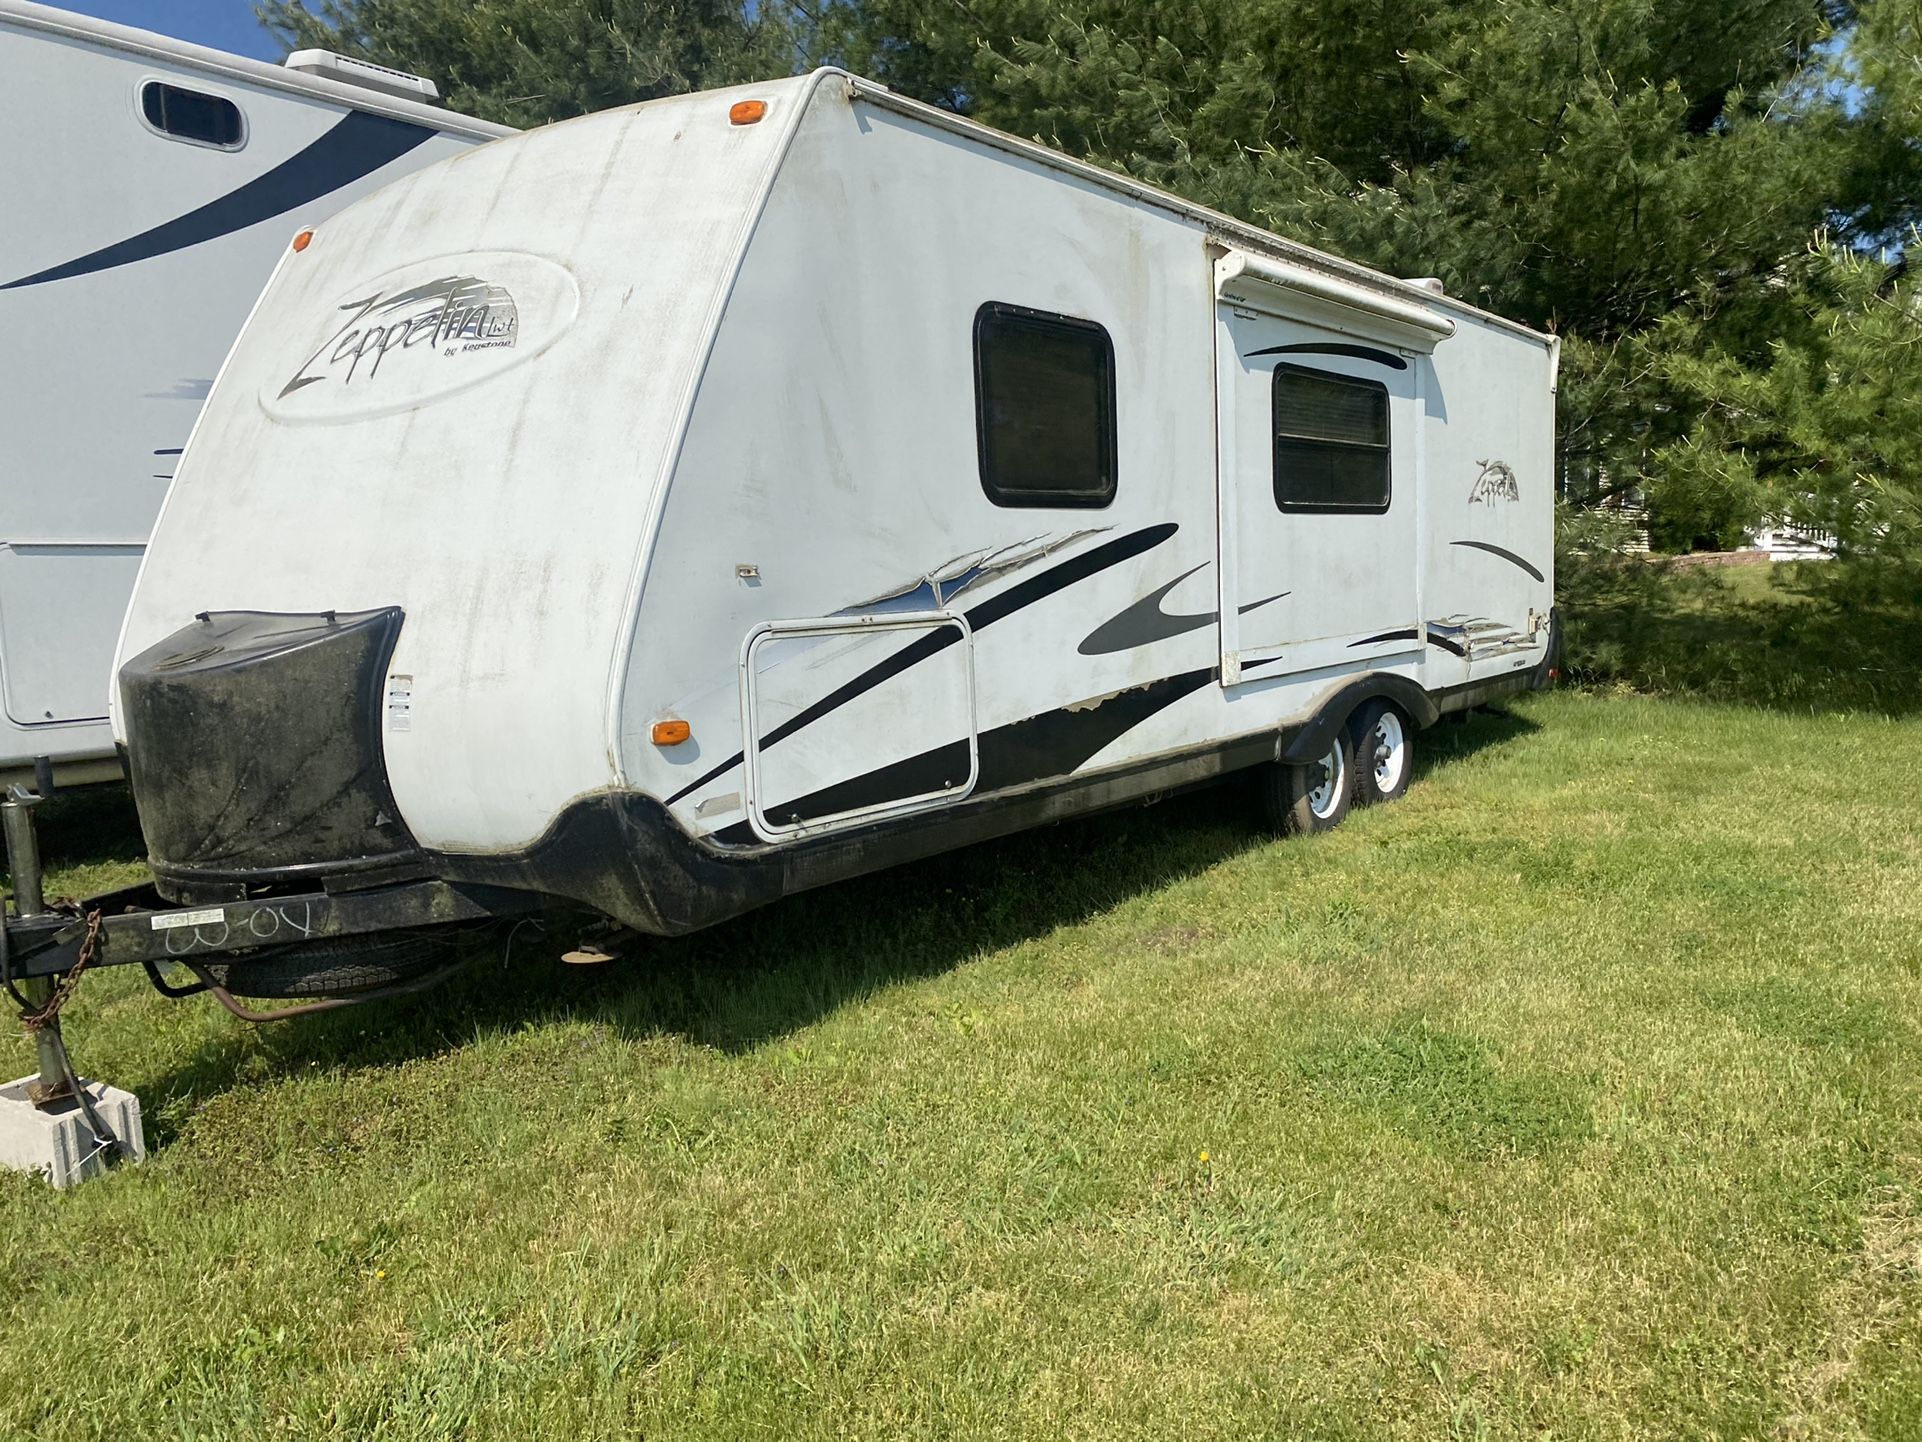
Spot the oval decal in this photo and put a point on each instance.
(421, 332)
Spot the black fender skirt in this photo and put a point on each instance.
(624, 855)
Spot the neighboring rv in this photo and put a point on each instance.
(150, 187)
(687, 505)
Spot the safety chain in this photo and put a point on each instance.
(45, 1016)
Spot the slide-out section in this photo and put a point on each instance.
(1318, 385)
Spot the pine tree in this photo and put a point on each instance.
(1589, 166)
(526, 62)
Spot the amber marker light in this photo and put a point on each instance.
(746, 112)
(671, 733)
(302, 240)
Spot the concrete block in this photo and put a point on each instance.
(57, 1142)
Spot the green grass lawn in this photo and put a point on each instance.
(1576, 1094)
(1806, 636)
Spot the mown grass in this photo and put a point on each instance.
(1808, 636)
(1575, 1095)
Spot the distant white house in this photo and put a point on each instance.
(1785, 541)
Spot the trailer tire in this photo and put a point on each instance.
(1384, 752)
(339, 966)
(1302, 799)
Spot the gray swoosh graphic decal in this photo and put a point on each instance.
(1144, 621)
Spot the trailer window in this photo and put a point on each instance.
(1331, 442)
(1044, 408)
(192, 115)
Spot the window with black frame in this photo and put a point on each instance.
(192, 115)
(1331, 442)
(1044, 408)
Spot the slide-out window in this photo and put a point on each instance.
(1044, 408)
(1331, 442)
(191, 115)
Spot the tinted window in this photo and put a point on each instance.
(1044, 408)
(191, 114)
(1331, 442)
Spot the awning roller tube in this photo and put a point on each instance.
(1240, 267)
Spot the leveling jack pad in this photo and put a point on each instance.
(57, 1142)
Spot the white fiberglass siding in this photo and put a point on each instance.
(497, 482)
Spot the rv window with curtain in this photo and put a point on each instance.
(191, 115)
(1331, 442)
(1044, 408)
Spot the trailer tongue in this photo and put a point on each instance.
(67, 1127)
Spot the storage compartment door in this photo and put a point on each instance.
(849, 719)
(61, 604)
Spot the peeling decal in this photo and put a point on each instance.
(941, 584)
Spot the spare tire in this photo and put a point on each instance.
(339, 966)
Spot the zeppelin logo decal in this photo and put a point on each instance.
(409, 337)
(1495, 483)
(453, 315)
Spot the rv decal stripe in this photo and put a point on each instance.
(1050, 746)
(1353, 352)
(1144, 621)
(1508, 556)
(359, 145)
(1430, 637)
(1407, 633)
(979, 616)
(1058, 743)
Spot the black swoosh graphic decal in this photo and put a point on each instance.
(1430, 637)
(1508, 556)
(979, 616)
(1144, 621)
(1052, 744)
(1353, 352)
(359, 145)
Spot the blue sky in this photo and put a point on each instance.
(223, 24)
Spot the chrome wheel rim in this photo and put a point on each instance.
(1388, 752)
(1331, 780)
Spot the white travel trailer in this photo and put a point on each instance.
(150, 188)
(686, 505)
